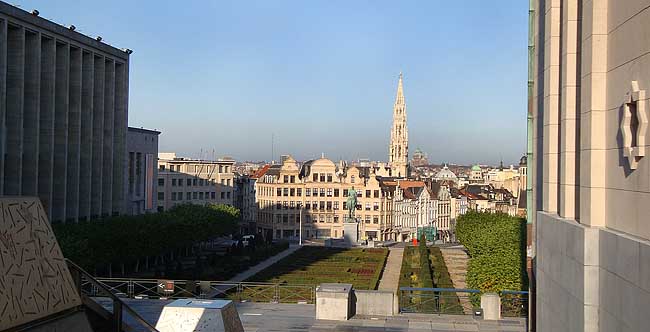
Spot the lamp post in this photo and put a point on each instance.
(300, 226)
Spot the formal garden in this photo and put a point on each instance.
(496, 244)
(303, 270)
(424, 267)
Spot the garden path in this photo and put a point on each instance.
(390, 278)
(456, 260)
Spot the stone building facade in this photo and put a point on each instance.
(399, 137)
(590, 170)
(314, 195)
(183, 180)
(63, 117)
(142, 171)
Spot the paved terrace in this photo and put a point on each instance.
(269, 317)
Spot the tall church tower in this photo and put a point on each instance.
(399, 137)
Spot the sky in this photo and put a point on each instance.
(245, 78)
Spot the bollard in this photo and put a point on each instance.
(491, 305)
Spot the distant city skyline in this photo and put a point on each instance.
(226, 76)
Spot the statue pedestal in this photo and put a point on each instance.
(350, 232)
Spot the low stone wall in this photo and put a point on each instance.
(374, 303)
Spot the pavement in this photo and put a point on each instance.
(270, 317)
(456, 260)
(390, 277)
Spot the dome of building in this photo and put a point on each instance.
(523, 161)
(476, 168)
(445, 174)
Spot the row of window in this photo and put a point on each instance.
(323, 205)
(195, 182)
(178, 196)
(324, 192)
(194, 168)
(320, 218)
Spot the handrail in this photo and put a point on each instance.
(118, 304)
(505, 291)
(457, 290)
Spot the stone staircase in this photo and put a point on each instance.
(456, 260)
(390, 278)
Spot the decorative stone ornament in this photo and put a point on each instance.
(634, 125)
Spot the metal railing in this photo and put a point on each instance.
(175, 289)
(514, 303)
(84, 279)
(437, 300)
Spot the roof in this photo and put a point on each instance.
(142, 130)
(261, 172)
(476, 168)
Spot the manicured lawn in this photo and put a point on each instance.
(311, 266)
(315, 265)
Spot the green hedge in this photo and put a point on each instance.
(497, 246)
(125, 239)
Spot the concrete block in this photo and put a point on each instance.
(199, 315)
(334, 301)
(491, 305)
(374, 303)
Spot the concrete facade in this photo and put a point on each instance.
(590, 178)
(63, 117)
(142, 170)
(182, 180)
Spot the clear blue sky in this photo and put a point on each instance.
(321, 75)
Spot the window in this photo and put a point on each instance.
(189, 182)
(336, 193)
(292, 192)
(359, 192)
(307, 218)
(278, 205)
(345, 193)
(367, 219)
(314, 205)
(329, 192)
(376, 194)
(162, 167)
(307, 192)
(293, 179)
(367, 206)
(329, 177)
(352, 179)
(161, 182)
(322, 192)
(299, 192)
(292, 205)
(223, 195)
(286, 179)
(173, 196)
(368, 193)
(345, 205)
(329, 219)
(375, 206)
(194, 182)
(336, 205)
(285, 192)
(298, 205)
(173, 182)
(285, 205)
(161, 196)
(161, 209)
(375, 220)
(201, 195)
(336, 219)
(180, 182)
(213, 195)
(307, 205)
(322, 205)
(279, 192)
(329, 206)
(201, 183)
(321, 218)
(315, 177)
(322, 177)
(228, 194)
(285, 219)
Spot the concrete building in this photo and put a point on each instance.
(591, 77)
(399, 137)
(183, 180)
(414, 207)
(314, 194)
(142, 170)
(63, 117)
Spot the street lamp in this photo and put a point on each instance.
(300, 227)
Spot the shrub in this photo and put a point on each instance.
(496, 244)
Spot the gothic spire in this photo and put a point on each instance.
(399, 99)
